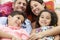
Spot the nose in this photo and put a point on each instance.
(21, 5)
(34, 8)
(44, 20)
(18, 21)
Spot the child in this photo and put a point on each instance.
(46, 20)
(15, 19)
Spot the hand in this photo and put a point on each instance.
(15, 38)
(36, 36)
(33, 36)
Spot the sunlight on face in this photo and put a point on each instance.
(16, 20)
(45, 19)
(36, 7)
(20, 5)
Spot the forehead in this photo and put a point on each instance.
(46, 13)
(23, 1)
(34, 2)
(18, 16)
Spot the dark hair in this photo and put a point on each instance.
(54, 18)
(40, 1)
(16, 0)
(17, 13)
(29, 11)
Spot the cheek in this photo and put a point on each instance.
(39, 21)
(48, 22)
(16, 5)
(31, 9)
(25, 7)
(41, 8)
(19, 21)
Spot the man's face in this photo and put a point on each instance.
(20, 5)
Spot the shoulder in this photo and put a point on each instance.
(27, 21)
(3, 20)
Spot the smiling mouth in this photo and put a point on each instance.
(44, 22)
(17, 23)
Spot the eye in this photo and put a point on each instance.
(35, 5)
(24, 4)
(42, 17)
(47, 18)
(18, 17)
(19, 3)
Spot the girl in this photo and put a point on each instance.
(46, 20)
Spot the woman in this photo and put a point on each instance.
(34, 8)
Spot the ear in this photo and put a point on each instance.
(9, 17)
(43, 4)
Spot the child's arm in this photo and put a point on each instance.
(33, 31)
(3, 34)
(56, 37)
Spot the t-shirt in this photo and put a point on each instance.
(17, 32)
(44, 28)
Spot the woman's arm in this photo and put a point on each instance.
(49, 32)
(57, 37)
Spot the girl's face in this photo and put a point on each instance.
(20, 5)
(45, 19)
(36, 7)
(16, 20)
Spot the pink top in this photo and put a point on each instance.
(17, 32)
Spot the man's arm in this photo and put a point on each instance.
(50, 32)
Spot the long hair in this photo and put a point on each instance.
(54, 18)
(29, 11)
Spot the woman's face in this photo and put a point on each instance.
(36, 7)
(45, 19)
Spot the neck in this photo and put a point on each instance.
(9, 24)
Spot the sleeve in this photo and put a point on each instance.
(3, 20)
(28, 26)
(23, 34)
